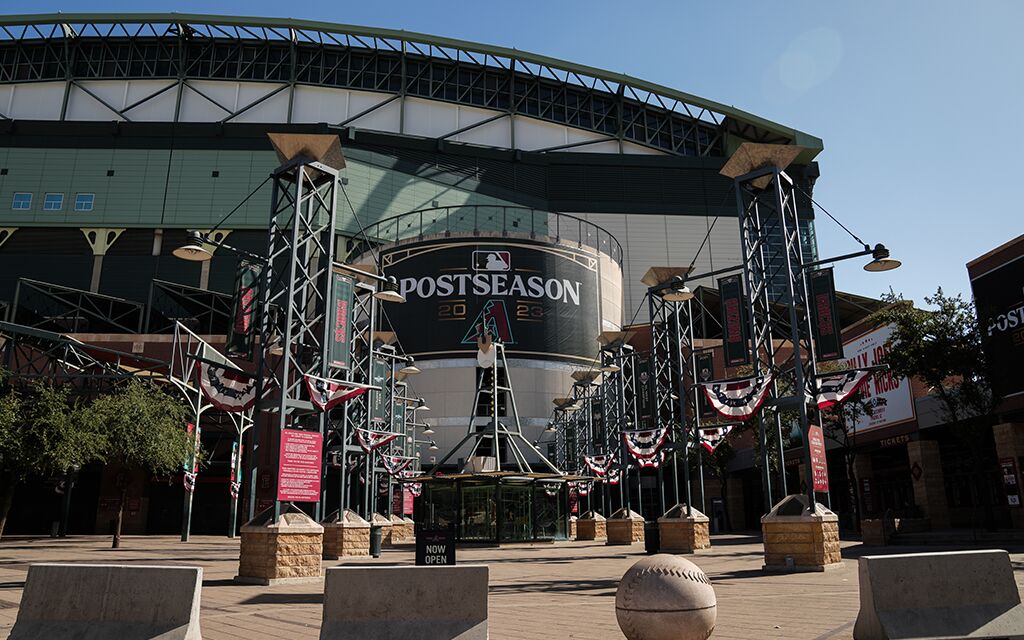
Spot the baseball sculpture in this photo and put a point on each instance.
(665, 597)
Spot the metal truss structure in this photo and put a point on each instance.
(574, 420)
(489, 437)
(300, 256)
(65, 309)
(201, 310)
(184, 50)
(28, 353)
(767, 208)
(619, 396)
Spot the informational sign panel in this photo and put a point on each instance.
(819, 461)
(1010, 484)
(540, 301)
(999, 297)
(339, 342)
(895, 401)
(298, 476)
(435, 546)
(827, 342)
(734, 327)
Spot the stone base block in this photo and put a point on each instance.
(684, 536)
(809, 545)
(572, 528)
(290, 549)
(625, 531)
(341, 541)
(591, 529)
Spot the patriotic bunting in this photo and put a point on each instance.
(395, 465)
(370, 440)
(415, 489)
(711, 437)
(582, 487)
(644, 445)
(599, 464)
(227, 389)
(836, 389)
(653, 462)
(739, 399)
(325, 393)
(235, 488)
(614, 475)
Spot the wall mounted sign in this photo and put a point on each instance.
(298, 475)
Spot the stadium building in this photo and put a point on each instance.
(118, 133)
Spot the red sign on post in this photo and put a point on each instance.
(298, 471)
(819, 463)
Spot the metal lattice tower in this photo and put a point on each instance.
(300, 253)
(767, 208)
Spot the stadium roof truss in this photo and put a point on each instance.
(283, 54)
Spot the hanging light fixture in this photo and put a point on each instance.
(552, 427)
(433, 446)
(409, 369)
(421, 405)
(427, 431)
(611, 368)
(880, 260)
(193, 250)
(389, 291)
(678, 291)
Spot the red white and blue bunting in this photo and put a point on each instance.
(644, 445)
(371, 440)
(836, 389)
(653, 462)
(711, 437)
(395, 465)
(325, 393)
(614, 475)
(599, 464)
(227, 389)
(739, 399)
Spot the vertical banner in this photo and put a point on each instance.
(298, 471)
(734, 329)
(191, 466)
(236, 469)
(704, 363)
(819, 463)
(1010, 484)
(827, 340)
(243, 312)
(339, 349)
(378, 378)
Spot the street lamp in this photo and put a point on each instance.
(677, 291)
(389, 291)
(427, 431)
(433, 446)
(552, 427)
(421, 405)
(193, 250)
(409, 369)
(881, 261)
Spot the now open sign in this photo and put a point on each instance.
(435, 546)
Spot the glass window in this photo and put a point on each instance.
(22, 201)
(53, 202)
(84, 201)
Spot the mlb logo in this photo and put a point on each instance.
(491, 261)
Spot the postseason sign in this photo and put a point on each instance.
(999, 297)
(540, 301)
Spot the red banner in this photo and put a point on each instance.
(298, 476)
(819, 464)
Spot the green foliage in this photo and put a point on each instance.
(942, 348)
(45, 432)
(145, 427)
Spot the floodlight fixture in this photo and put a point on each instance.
(880, 260)
(389, 291)
(194, 250)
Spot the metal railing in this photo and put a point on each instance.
(487, 221)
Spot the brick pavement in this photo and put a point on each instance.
(563, 590)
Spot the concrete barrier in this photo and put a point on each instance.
(100, 602)
(405, 603)
(957, 594)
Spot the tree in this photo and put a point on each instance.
(717, 464)
(942, 348)
(145, 430)
(43, 432)
(839, 424)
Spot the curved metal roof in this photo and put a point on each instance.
(78, 46)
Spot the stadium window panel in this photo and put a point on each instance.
(84, 201)
(53, 202)
(22, 201)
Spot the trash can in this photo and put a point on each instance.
(652, 537)
(376, 540)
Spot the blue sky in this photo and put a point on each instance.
(918, 102)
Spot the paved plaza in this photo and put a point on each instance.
(562, 590)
